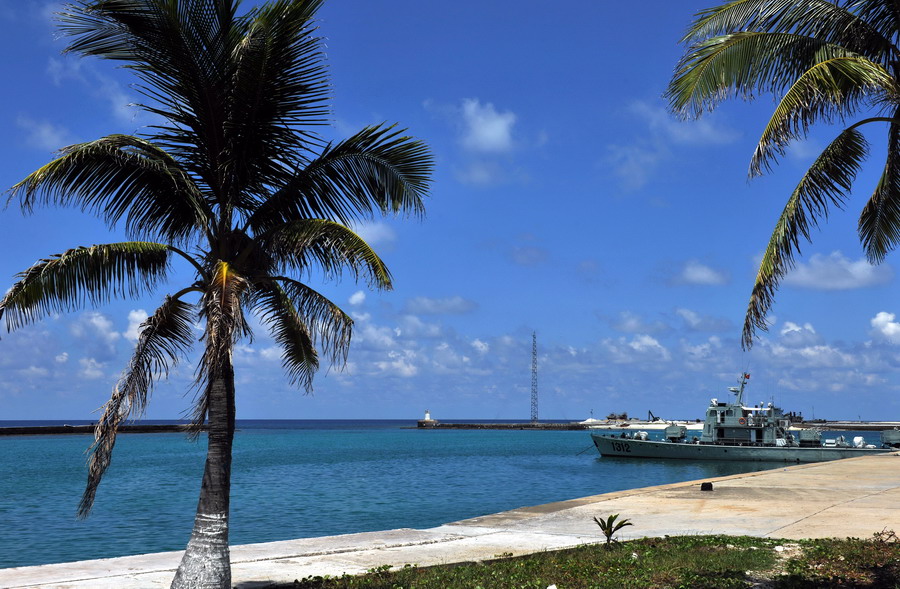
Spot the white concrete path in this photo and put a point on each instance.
(854, 497)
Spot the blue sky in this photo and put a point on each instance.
(566, 201)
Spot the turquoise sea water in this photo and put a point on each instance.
(294, 479)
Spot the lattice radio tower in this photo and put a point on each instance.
(534, 393)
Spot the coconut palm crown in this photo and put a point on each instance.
(232, 182)
(830, 62)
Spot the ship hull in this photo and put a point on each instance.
(632, 448)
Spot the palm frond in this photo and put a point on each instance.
(121, 176)
(83, 275)
(329, 327)
(279, 87)
(164, 337)
(831, 89)
(743, 65)
(181, 52)
(303, 245)
(826, 184)
(378, 170)
(290, 330)
(879, 221)
(823, 19)
(221, 309)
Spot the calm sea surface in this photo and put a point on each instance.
(295, 479)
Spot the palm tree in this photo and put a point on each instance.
(832, 62)
(235, 182)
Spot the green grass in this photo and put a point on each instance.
(685, 562)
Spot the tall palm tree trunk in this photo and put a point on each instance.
(206, 563)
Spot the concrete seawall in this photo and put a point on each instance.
(855, 497)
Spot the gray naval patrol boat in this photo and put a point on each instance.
(732, 431)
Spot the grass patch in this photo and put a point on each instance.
(695, 562)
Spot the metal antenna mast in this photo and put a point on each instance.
(534, 392)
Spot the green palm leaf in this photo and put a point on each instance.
(378, 170)
(879, 221)
(288, 323)
(304, 244)
(826, 184)
(743, 64)
(121, 176)
(822, 19)
(83, 275)
(828, 90)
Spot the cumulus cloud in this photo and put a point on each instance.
(480, 346)
(357, 298)
(630, 322)
(98, 333)
(377, 234)
(837, 272)
(796, 335)
(641, 348)
(885, 326)
(135, 318)
(100, 85)
(455, 305)
(634, 165)
(43, 134)
(636, 162)
(399, 363)
(704, 131)
(695, 273)
(91, 368)
(481, 173)
(697, 322)
(485, 129)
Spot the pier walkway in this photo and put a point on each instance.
(855, 497)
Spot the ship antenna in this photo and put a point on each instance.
(534, 387)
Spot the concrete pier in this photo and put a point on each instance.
(855, 497)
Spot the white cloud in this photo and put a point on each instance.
(399, 364)
(796, 336)
(702, 131)
(698, 322)
(357, 298)
(486, 129)
(480, 346)
(135, 318)
(94, 325)
(694, 272)
(634, 165)
(455, 305)
(43, 134)
(837, 272)
(481, 173)
(630, 322)
(101, 86)
(883, 325)
(637, 162)
(91, 368)
(62, 358)
(376, 234)
(641, 348)
(34, 371)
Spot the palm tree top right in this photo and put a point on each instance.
(829, 62)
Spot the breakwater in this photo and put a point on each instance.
(37, 430)
(430, 424)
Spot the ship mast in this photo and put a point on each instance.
(534, 389)
(739, 391)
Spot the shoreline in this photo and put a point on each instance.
(57, 430)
